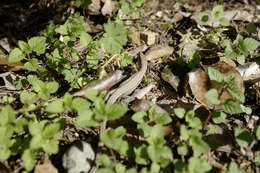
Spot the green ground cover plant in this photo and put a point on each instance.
(37, 124)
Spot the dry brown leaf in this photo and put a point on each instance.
(200, 83)
(108, 8)
(237, 15)
(3, 168)
(46, 167)
(94, 7)
(149, 37)
(134, 36)
(7, 66)
(250, 72)
(158, 52)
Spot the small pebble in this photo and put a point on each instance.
(78, 158)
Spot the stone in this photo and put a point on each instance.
(79, 158)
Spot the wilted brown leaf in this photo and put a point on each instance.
(200, 83)
(46, 167)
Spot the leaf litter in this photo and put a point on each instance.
(199, 82)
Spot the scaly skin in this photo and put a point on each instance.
(130, 84)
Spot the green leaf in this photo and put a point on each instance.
(7, 115)
(243, 137)
(251, 28)
(86, 119)
(162, 119)
(194, 60)
(115, 37)
(31, 65)
(24, 47)
(73, 26)
(140, 117)
(28, 98)
(51, 130)
(215, 75)
(115, 111)
(82, 3)
(230, 52)
(230, 78)
(125, 7)
(179, 112)
(144, 129)
(232, 107)
(224, 21)
(68, 101)
(258, 158)
(104, 160)
(251, 44)
(141, 155)
(85, 39)
(182, 150)
(16, 55)
(36, 128)
(92, 59)
(241, 59)
(233, 168)
(212, 96)
(155, 167)
(156, 136)
(160, 154)
(120, 168)
(126, 59)
(240, 43)
(217, 12)
(198, 165)
(237, 93)
(105, 170)
(62, 29)
(198, 145)
(5, 153)
(91, 94)
(245, 109)
(51, 147)
(219, 117)
(193, 121)
(20, 125)
(211, 130)
(113, 138)
(55, 107)
(29, 159)
(137, 3)
(257, 133)
(52, 87)
(38, 44)
(37, 142)
(204, 17)
(184, 133)
(179, 166)
(79, 104)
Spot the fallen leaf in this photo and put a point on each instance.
(7, 66)
(3, 168)
(158, 52)
(108, 8)
(94, 7)
(46, 167)
(200, 83)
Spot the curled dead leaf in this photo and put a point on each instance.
(200, 83)
(45, 167)
(158, 52)
(250, 72)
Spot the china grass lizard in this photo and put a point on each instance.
(128, 86)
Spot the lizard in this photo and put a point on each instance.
(128, 86)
